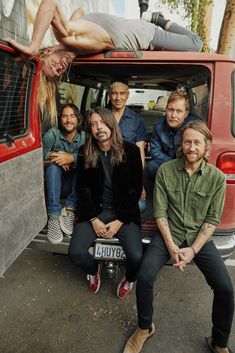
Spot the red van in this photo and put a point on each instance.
(208, 78)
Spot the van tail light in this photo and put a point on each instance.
(226, 163)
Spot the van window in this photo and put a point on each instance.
(149, 84)
(201, 101)
(14, 87)
(70, 93)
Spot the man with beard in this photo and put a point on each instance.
(165, 139)
(60, 149)
(189, 198)
(109, 186)
(98, 32)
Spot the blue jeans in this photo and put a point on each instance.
(210, 263)
(60, 184)
(142, 205)
(152, 167)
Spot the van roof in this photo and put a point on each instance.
(122, 55)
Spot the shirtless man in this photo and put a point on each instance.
(99, 32)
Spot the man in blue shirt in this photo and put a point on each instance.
(131, 124)
(167, 131)
(60, 149)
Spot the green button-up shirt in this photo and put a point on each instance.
(188, 201)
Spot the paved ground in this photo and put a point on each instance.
(45, 307)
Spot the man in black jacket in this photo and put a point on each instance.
(109, 187)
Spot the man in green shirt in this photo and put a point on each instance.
(188, 202)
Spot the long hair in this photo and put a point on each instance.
(47, 91)
(47, 95)
(92, 152)
(199, 126)
(75, 111)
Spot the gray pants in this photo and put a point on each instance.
(176, 38)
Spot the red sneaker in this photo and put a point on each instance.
(124, 288)
(94, 281)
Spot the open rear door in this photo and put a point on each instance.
(22, 206)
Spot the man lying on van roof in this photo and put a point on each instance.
(99, 32)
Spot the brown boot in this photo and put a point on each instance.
(216, 349)
(136, 341)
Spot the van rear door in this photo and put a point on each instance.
(22, 206)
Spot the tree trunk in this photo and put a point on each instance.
(226, 44)
(207, 25)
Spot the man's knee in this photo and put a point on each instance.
(146, 274)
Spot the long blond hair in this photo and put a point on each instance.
(47, 94)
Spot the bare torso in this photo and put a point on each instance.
(86, 37)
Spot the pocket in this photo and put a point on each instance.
(174, 196)
(200, 199)
(129, 137)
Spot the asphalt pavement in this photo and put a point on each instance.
(45, 306)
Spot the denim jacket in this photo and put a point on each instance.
(54, 140)
(165, 141)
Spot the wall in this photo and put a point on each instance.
(17, 16)
(13, 21)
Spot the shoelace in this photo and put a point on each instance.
(91, 278)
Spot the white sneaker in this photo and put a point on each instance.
(152, 17)
(54, 232)
(67, 221)
(146, 16)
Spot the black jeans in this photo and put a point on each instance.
(129, 236)
(210, 263)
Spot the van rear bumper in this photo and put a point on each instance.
(224, 242)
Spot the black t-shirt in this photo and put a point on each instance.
(108, 174)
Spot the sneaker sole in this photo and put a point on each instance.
(55, 242)
(209, 345)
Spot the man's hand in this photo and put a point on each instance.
(61, 158)
(99, 228)
(26, 53)
(66, 167)
(173, 251)
(185, 256)
(112, 228)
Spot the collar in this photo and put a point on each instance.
(128, 113)
(201, 169)
(75, 139)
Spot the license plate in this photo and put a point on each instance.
(109, 252)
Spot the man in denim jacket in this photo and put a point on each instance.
(60, 150)
(165, 140)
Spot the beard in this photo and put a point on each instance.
(192, 158)
(102, 136)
